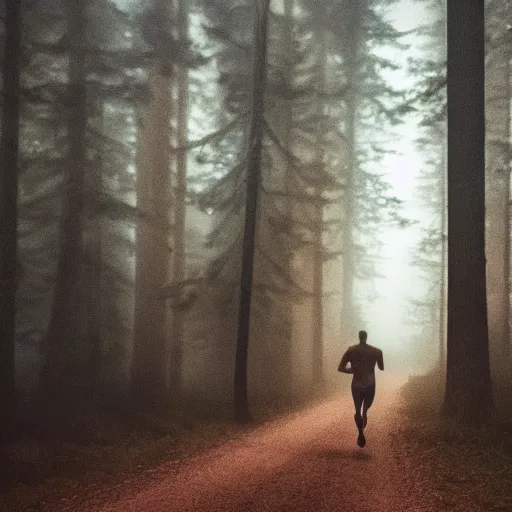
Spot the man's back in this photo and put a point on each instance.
(363, 358)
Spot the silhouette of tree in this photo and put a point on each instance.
(468, 391)
(9, 210)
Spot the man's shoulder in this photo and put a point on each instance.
(364, 349)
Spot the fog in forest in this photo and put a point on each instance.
(142, 128)
(202, 202)
(144, 239)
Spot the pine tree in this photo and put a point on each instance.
(63, 319)
(179, 200)
(293, 182)
(317, 214)
(364, 101)
(93, 241)
(9, 210)
(242, 412)
(352, 59)
(296, 179)
(151, 344)
(161, 196)
(498, 92)
(429, 99)
(284, 352)
(110, 87)
(468, 392)
(293, 188)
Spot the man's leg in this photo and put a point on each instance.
(368, 397)
(357, 395)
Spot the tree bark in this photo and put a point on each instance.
(498, 189)
(468, 393)
(150, 347)
(287, 114)
(242, 412)
(179, 203)
(62, 328)
(444, 239)
(93, 257)
(348, 314)
(9, 210)
(318, 245)
(440, 131)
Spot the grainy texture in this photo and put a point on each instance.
(468, 468)
(305, 461)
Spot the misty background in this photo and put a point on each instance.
(143, 127)
(130, 300)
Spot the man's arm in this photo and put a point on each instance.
(343, 364)
(380, 360)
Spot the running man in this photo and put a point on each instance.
(362, 359)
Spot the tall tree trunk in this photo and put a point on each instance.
(179, 203)
(62, 328)
(468, 392)
(93, 257)
(9, 209)
(242, 413)
(444, 239)
(348, 314)
(150, 349)
(318, 245)
(498, 189)
(287, 115)
(439, 137)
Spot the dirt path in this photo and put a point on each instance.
(304, 462)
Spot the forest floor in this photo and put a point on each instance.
(467, 468)
(93, 446)
(303, 459)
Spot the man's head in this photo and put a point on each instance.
(363, 335)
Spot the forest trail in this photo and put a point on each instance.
(307, 461)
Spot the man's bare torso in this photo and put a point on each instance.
(362, 359)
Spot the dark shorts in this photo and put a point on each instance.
(363, 396)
